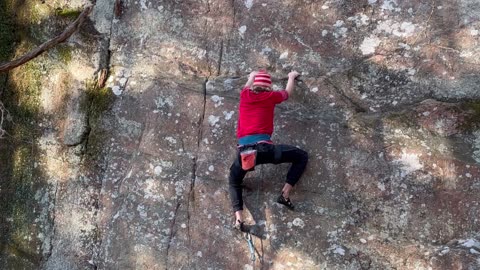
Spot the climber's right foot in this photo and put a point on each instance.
(285, 201)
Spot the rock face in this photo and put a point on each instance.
(387, 107)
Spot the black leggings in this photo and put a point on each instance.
(266, 153)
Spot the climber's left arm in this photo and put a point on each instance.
(251, 78)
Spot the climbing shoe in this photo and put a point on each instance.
(285, 201)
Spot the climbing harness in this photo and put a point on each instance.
(248, 237)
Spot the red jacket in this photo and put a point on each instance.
(256, 111)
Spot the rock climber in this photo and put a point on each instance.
(254, 131)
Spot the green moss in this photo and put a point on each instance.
(25, 98)
(68, 13)
(19, 259)
(473, 120)
(98, 100)
(475, 106)
(20, 177)
(403, 120)
(102, 101)
(64, 53)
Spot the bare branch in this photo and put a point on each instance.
(72, 28)
(3, 115)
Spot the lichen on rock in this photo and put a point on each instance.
(134, 174)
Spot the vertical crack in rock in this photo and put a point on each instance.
(103, 68)
(234, 14)
(50, 247)
(191, 194)
(101, 74)
(208, 7)
(202, 116)
(220, 56)
(172, 231)
(183, 145)
(229, 36)
(205, 34)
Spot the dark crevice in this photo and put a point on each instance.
(172, 231)
(202, 116)
(229, 36)
(100, 76)
(205, 34)
(208, 7)
(104, 65)
(234, 14)
(191, 194)
(220, 56)
(358, 108)
(87, 134)
(183, 145)
(52, 238)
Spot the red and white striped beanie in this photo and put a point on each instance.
(262, 79)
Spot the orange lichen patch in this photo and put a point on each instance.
(441, 118)
(378, 59)
(456, 260)
(443, 58)
(404, 256)
(454, 174)
(464, 40)
(292, 259)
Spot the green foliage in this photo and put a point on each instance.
(68, 13)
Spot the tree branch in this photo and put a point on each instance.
(3, 115)
(72, 28)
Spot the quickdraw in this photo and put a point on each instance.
(248, 237)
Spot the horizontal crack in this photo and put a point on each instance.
(358, 107)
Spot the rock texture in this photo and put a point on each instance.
(387, 107)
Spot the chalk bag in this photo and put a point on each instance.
(248, 158)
